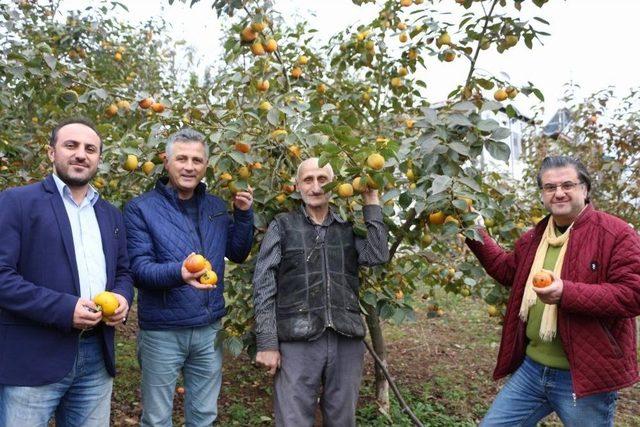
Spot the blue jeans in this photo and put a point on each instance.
(81, 398)
(534, 391)
(162, 356)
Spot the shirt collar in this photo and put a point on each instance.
(65, 192)
(332, 216)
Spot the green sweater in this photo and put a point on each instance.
(552, 353)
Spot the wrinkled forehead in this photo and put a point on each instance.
(189, 148)
(310, 168)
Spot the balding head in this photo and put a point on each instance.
(310, 179)
(312, 163)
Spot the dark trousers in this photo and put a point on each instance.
(329, 367)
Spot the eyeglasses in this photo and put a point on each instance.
(565, 187)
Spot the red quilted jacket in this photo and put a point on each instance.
(600, 299)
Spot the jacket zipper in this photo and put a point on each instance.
(569, 353)
(327, 281)
(202, 220)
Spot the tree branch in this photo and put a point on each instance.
(403, 403)
(484, 31)
(408, 222)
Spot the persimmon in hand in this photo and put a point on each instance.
(542, 279)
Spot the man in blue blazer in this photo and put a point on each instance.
(61, 245)
(180, 317)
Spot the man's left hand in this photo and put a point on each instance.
(370, 197)
(551, 294)
(243, 199)
(120, 315)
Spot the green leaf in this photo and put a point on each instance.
(459, 148)
(498, 149)
(386, 311)
(398, 316)
(370, 298)
(238, 157)
(528, 41)
(460, 204)
(329, 149)
(469, 182)
(490, 105)
(50, 60)
(405, 200)
(485, 84)
(464, 106)
(391, 194)
(343, 213)
(100, 93)
(501, 133)
(459, 119)
(511, 111)
(440, 184)
(538, 94)
(430, 116)
(487, 125)
(316, 139)
(322, 128)
(234, 345)
(469, 281)
(273, 116)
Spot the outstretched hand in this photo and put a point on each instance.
(370, 197)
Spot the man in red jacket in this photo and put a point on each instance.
(570, 345)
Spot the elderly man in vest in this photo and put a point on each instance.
(571, 345)
(308, 323)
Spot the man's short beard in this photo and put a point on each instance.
(74, 182)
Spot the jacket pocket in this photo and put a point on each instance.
(613, 343)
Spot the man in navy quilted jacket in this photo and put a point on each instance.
(571, 344)
(179, 317)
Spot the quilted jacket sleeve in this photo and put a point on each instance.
(240, 235)
(498, 263)
(147, 273)
(620, 295)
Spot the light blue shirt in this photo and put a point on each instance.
(87, 240)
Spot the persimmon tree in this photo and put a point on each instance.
(276, 96)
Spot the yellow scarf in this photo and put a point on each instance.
(548, 326)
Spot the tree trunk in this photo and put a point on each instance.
(377, 340)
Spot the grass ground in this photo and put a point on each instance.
(441, 364)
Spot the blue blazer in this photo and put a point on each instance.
(39, 285)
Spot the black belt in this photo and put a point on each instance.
(91, 332)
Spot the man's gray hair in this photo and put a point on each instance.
(186, 135)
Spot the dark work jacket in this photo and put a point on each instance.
(317, 280)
